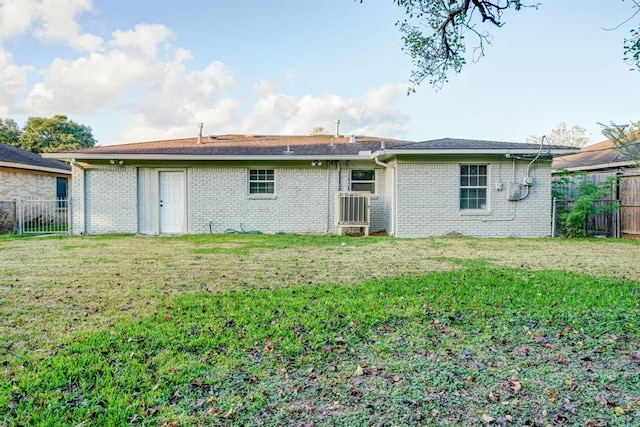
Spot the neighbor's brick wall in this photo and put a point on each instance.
(220, 195)
(428, 202)
(111, 200)
(14, 185)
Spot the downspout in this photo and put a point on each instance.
(80, 198)
(393, 196)
(328, 197)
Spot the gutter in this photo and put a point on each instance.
(201, 157)
(391, 152)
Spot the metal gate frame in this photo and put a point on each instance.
(43, 216)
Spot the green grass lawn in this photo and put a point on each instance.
(326, 330)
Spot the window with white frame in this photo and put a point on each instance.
(363, 180)
(473, 187)
(262, 181)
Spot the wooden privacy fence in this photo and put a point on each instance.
(629, 195)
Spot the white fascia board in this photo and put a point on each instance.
(34, 168)
(200, 157)
(501, 151)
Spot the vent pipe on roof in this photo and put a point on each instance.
(352, 139)
(337, 122)
(200, 125)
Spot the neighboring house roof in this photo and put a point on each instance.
(603, 155)
(16, 158)
(270, 147)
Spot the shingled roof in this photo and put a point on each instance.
(603, 155)
(17, 158)
(474, 144)
(239, 145)
(292, 147)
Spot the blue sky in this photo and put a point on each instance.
(153, 69)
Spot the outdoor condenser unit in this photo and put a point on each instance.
(352, 210)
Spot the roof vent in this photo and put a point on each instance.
(288, 150)
(337, 122)
(352, 139)
(200, 125)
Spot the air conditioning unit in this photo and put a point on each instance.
(352, 210)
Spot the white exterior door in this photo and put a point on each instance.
(171, 202)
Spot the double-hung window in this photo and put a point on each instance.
(473, 187)
(363, 180)
(262, 181)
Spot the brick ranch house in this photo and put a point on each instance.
(295, 184)
(27, 175)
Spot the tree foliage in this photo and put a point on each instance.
(561, 134)
(625, 137)
(434, 34)
(582, 198)
(434, 31)
(42, 134)
(632, 49)
(9, 132)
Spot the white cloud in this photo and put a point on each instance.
(176, 100)
(142, 40)
(16, 17)
(218, 118)
(139, 71)
(265, 87)
(86, 84)
(374, 114)
(13, 82)
(174, 106)
(57, 22)
(49, 20)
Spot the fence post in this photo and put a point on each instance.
(553, 218)
(618, 233)
(19, 215)
(68, 204)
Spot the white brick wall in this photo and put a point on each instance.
(301, 203)
(76, 193)
(111, 200)
(428, 202)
